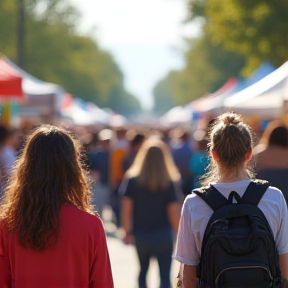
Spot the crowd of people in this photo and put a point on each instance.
(56, 183)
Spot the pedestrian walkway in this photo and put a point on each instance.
(124, 260)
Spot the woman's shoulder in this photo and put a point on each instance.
(195, 203)
(274, 194)
(3, 228)
(130, 179)
(73, 212)
(272, 157)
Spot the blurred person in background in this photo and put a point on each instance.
(199, 160)
(151, 209)
(135, 139)
(49, 234)
(119, 150)
(4, 134)
(94, 141)
(182, 152)
(121, 141)
(86, 143)
(10, 150)
(272, 156)
(99, 160)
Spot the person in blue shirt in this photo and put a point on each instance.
(99, 161)
(181, 152)
(199, 161)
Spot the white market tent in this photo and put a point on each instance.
(100, 115)
(79, 116)
(47, 97)
(34, 86)
(117, 120)
(266, 97)
(176, 115)
(41, 97)
(85, 113)
(214, 100)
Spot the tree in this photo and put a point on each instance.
(56, 53)
(254, 28)
(164, 93)
(237, 36)
(208, 67)
(8, 24)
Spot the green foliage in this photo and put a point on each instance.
(255, 28)
(54, 52)
(208, 67)
(164, 92)
(196, 8)
(8, 28)
(237, 36)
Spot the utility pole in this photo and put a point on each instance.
(21, 33)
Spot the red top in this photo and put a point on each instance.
(79, 259)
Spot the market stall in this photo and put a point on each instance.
(266, 97)
(10, 90)
(41, 98)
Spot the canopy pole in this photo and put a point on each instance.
(21, 34)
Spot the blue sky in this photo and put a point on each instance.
(145, 38)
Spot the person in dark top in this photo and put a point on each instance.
(135, 142)
(182, 152)
(150, 208)
(4, 134)
(99, 161)
(272, 156)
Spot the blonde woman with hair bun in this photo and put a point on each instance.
(150, 208)
(231, 178)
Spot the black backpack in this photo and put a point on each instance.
(238, 248)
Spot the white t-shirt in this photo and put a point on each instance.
(196, 214)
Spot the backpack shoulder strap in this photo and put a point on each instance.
(212, 197)
(254, 192)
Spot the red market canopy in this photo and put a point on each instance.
(10, 80)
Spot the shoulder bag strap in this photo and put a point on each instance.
(254, 192)
(212, 197)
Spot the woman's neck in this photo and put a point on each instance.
(233, 176)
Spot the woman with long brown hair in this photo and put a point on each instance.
(150, 210)
(49, 234)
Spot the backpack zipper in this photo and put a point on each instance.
(241, 267)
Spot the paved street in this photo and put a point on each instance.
(124, 260)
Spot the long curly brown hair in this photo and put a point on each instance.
(48, 174)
